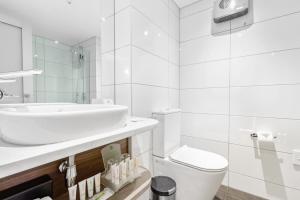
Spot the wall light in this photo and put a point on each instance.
(7, 80)
(17, 74)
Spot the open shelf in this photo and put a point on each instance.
(130, 191)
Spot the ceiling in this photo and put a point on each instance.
(182, 3)
(57, 19)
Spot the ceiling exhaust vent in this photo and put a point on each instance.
(225, 10)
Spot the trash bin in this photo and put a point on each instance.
(163, 188)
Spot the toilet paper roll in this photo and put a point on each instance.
(265, 137)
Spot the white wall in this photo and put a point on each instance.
(25, 84)
(11, 59)
(55, 60)
(147, 62)
(243, 81)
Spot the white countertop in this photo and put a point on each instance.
(16, 158)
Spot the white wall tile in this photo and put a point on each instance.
(173, 51)
(262, 189)
(211, 74)
(264, 69)
(266, 101)
(174, 24)
(147, 99)
(107, 35)
(107, 92)
(123, 65)
(212, 100)
(121, 4)
(286, 131)
(267, 9)
(271, 166)
(272, 35)
(107, 69)
(123, 96)
(149, 69)
(166, 2)
(264, 78)
(173, 98)
(196, 7)
(225, 181)
(174, 8)
(196, 25)
(155, 10)
(220, 148)
(213, 127)
(123, 27)
(173, 76)
(147, 36)
(205, 49)
(107, 8)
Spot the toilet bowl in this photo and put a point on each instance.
(198, 173)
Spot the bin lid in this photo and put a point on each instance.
(163, 186)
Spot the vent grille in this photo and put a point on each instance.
(224, 4)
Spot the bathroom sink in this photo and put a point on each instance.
(35, 124)
(14, 105)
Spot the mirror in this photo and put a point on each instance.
(60, 37)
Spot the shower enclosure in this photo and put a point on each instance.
(66, 72)
(81, 74)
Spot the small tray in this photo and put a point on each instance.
(106, 180)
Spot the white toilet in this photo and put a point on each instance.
(198, 173)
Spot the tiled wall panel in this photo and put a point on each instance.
(243, 81)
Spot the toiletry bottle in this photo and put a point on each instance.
(98, 183)
(72, 192)
(82, 189)
(90, 184)
(113, 173)
(117, 174)
(131, 167)
(123, 171)
(136, 165)
(127, 160)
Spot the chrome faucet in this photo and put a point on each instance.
(69, 168)
(1, 94)
(4, 94)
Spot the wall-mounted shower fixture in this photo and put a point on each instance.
(225, 10)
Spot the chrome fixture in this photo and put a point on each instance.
(69, 168)
(4, 94)
(18, 74)
(1, 94)
(225, 10)
(7, 80)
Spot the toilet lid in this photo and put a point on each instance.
(199, 159)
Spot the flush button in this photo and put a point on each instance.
(296, 157)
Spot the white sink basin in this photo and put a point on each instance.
(33, 124)
(14, 105)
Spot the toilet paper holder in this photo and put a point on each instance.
(266, 135)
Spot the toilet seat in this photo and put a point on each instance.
(199, 159)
